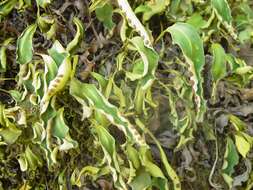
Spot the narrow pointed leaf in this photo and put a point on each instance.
(3, 57)
(74, 44)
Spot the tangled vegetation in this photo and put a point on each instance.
(126, 94)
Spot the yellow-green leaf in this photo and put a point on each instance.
(3, 58)
(151, 8)
(43, 3)
(243, 146)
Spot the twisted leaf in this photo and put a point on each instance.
(24, 45)
(191, 45)
(73, 45)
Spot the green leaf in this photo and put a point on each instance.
(222, 10)
(133, 156)
(197, 21)
(228, 179)
(146, 65)
(191, 44)
(144, 70)
(106, 140)
(74, 44)
(138, 70)
(25, 186)
(245, 35)
(16, 95)
(152, 168)
(51, 33)
(58, 53)
(142, 180)
(102, 81)
(134, 22)
(111, 112)
(219, 62)
(231, 158)
(61, 131)
(120, 95)
(6, 7)
(24, 45)
(50, 69)
(109, 148)
(104, 14)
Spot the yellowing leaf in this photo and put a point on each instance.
(58, 83)
(104, 14)
(45, 22)
(25, 186)
(242, 145)
(238, 124)
(87, 170)
(3, 58)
